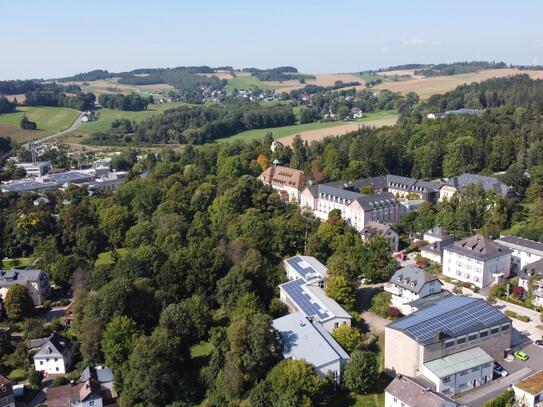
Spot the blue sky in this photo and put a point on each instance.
(44, 39)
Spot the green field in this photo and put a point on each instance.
(49, 120)
(284, 131)
(107, 116)
(247, 82)
(106, 258)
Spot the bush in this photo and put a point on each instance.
(380, 303)
(60, 381)
(513, 314)
(393, 312)
(35, 378)
(503, 400)
(518, 292)
(18, 375)
(457, 290)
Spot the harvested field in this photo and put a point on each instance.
(319, 134)
(321, 80)
(426, 87)
(18, 134)
(220, 75)
(399, 72)
(20, 97)
(111, 86)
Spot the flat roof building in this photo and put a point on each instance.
(303, 339)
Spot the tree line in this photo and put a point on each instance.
(6, 106)
(129, 102)
(457, 68)
(79, 101)
(198, 124)
(15, 87)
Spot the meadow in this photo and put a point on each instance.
(325, 129)
(426, 87)
(107, 116)
(50, 120)
(247, 82)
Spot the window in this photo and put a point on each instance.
(395, 400)
(463, 372)
(461, 340)
(336, 324)
(475, 369)
(446, 379)
(449, 343)
(505, 327)
(56, 359)
(494, 330)
(483, 334)
(41, 362)
(472, 337)
(56, 369)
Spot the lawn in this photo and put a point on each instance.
(247, 82)
(279, 132)
(202, 349)
(106, 258)
(107, 116)
(11, 263)
(49, 120)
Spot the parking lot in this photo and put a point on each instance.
(517, 371)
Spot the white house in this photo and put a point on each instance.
(456, 373)
(35, 169)
(477, 260)
(407, 392)
(410, 284)
(54, 355)
(304, 292)
(305, 340)
(437, 239)
(523, 251)
(529, 391)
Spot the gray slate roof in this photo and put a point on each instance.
(527, 245)
(9, 277)
(55, 346)
(413, 394)
(411, 278)
(460, 182)
(453, 316)
(478, 247)
(102, 375)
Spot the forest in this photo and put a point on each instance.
(6, 106)
(457, 68)
(199, 124)
(129, 102)
(79, 101)
(15, 87)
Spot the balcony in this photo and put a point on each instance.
(393, 289)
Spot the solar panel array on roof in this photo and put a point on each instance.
(303, 300)
(453, 316)
(302, 267)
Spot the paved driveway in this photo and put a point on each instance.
(373, 322)
(517, 369)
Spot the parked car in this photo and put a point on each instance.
(539, 343)
(499, 370)
(521, 355)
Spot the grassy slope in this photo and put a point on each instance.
(49, 120)
(107, 116)
(106, 259)
(284, 131)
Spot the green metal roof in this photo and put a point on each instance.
(458, 362)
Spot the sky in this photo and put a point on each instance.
(55, 38)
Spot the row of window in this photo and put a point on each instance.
(484, 333)
(468, 276)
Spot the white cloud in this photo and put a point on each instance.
(416, 41)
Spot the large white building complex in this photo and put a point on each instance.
(477, 260)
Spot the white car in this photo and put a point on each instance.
(499, 370)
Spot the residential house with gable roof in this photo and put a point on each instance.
(407, 392)
(7, 398)
(54, 354)
(410, 284)
(477, 260)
